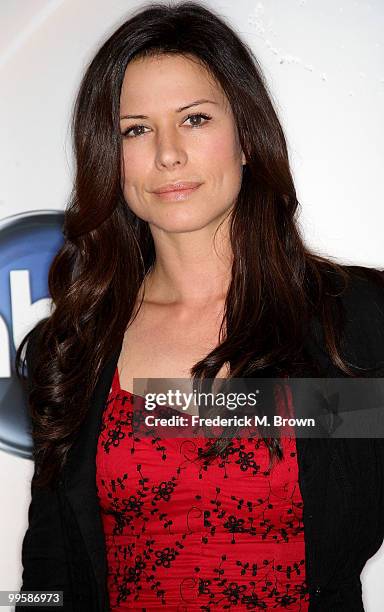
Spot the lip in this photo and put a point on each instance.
(177, 195)
(178, 186)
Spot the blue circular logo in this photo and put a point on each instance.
(28, 243)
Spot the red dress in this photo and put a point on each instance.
(183, 534)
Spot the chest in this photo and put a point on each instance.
(166, 343)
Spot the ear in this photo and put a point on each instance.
(243, 158)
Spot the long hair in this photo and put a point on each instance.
(277, 285)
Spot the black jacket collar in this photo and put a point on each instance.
(79, 477)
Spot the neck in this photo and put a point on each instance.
(191, 269)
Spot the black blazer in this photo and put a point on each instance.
(341, 483)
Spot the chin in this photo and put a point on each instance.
(182, 223)
(178, 228)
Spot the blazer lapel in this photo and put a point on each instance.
(79, 476)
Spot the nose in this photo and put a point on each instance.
(169, 152)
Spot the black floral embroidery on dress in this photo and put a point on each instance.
(236, 512)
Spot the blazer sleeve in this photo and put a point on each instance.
(365, 306)
(378, 332)
(44, 560)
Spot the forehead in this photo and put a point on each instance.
(167, 80)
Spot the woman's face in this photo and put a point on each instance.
(165, 146)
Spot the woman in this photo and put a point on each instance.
(182, 258)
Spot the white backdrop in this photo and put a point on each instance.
(324, 63)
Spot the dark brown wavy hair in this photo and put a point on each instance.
(277, 284)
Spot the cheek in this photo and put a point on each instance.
(222, 152)
(127, 164)
(225, 164)
(132, 171)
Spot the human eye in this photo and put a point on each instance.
(132, 131)
(203, 115)
(126, 132)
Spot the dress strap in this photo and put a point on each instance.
(115, 388)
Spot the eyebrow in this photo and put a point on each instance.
(178, 110)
